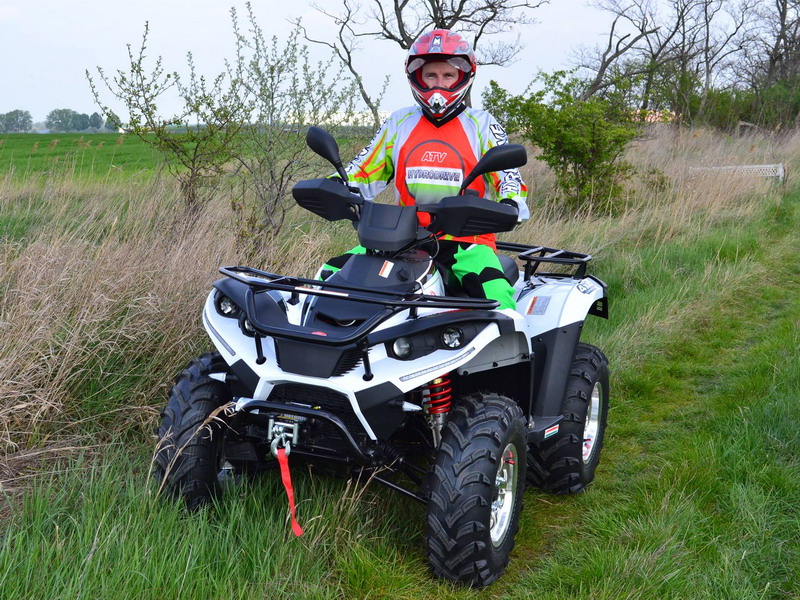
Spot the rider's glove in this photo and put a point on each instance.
(350, 186)
(509, 202)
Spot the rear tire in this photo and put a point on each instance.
(476, 486)
(191, 438)
(566, 462)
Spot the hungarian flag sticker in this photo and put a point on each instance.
(551, 431)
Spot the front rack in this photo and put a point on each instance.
(392, 301)
(256, 278)
(533, 256)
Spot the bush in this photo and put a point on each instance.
(245, 126)
(581, 140)
(283, 92)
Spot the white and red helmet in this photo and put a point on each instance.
(441, 45)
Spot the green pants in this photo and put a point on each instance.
(474, 267)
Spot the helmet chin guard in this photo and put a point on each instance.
(441, 45)
(437, 103)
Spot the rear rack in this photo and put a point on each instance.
(533, 256)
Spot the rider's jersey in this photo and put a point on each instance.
(427, 163)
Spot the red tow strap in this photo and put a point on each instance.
(286, 477)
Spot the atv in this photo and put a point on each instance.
(385, 369)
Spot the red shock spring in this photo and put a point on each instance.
(437, 396)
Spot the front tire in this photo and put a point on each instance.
(566, 462)
(476, 486)
(190, 451)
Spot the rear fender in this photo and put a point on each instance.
(561, 302)
(555, 312)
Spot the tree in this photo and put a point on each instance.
(95, 121)
(80, 122)
(403, 21)
(246, 123)
(679, 52)
(779, 41)
(582, 140)
(16, 121)
(274, 82)
(724, 35)
(771, 65)
(343, 48)
(642, 44)
(197, 141)
(61, 119)
(617, 45)
(113, 122)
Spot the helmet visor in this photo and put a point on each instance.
(458, 62)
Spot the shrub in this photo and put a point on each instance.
(581, 140)
(245, 125)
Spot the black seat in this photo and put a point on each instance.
(510, 268)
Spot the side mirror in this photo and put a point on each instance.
(324, 144)
(497, 158)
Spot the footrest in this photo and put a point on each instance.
(542, 428)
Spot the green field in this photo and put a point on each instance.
(697, 495)
(80, 155)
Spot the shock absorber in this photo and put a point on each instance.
(437, 396)
(437, 399)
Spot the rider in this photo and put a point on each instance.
(427, 150)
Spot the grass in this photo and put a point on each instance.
(700, 459)
(89, 155)
(696, 496)
(173, 553)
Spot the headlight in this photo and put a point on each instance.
(402, 347)
(226, 306)
(452, 337)
(245, 325)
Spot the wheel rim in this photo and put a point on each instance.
(504, 495)
(591, 426)
(226, 473)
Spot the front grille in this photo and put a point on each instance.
(348, 361)
(324, 398)
(316, 360)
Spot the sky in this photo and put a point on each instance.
(47, 45)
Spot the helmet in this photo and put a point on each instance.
(441, 45)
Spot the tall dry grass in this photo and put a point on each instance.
(100, 293)
(665, 196)
(101, 284)
(670, 202)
